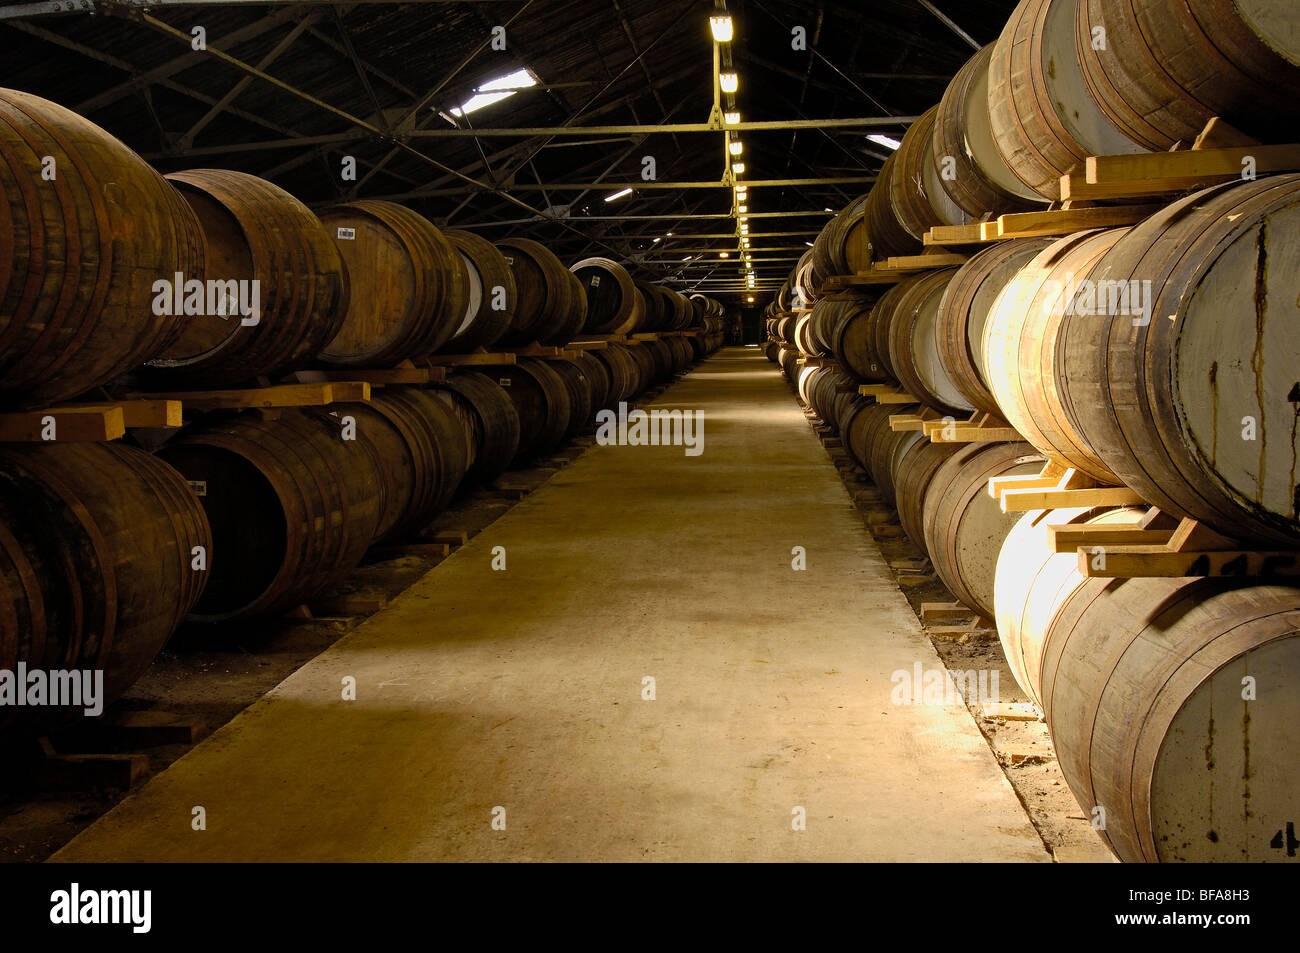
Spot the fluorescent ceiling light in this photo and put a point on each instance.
(809, 244)
(618, 195)
(495, 90)
(721, 27)
(729, 82)
(658, 240)
(888, 142)
(736, 147)
(687, 258)
(724, 254)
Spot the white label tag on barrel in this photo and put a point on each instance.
(503, 381)
(200, 487)
(595, 281)
(509, 260)
(1032, 458)
(347, 234)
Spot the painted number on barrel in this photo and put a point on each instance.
(200, 487)
(503, 381)
(347, 234)
(595, 281)
(1289, 842)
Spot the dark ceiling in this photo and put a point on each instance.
(601, 62)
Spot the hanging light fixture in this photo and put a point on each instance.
(736, 147)
(737, 167)
(722, 29)
(729, 82)
(731, 118)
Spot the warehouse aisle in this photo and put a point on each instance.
(522, 689)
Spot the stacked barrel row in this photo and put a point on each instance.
(105, 548)
(1155, 357)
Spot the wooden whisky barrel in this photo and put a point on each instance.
(964, 527)
(409, 287)
(544, 299)
(1021, 337)
(423, 452)
(964, 311)
(911, 470)
(256, 231)
(858, 425)
(292, 506)
(1031, 580)
(887, 232)
(658, 306)
(486, 271)
(80, 253)
(98, 543)
(581, 396)
(852, 340)
(577, 314)
(914, 343)
(598, 374)
(1168, 66)
(1145, 682)
(879, 322)
(624, 373)
(541, 399)
(613, 304)
(498, 425)
(840, 248)
(981, 181)
(1044, 121)
(1196, 409)
(915, 192)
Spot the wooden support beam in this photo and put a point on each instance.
(477, 357)
(1067, 221)
(922, 262)
(135, 413)
(66, 425)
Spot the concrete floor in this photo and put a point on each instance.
(522, 689)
